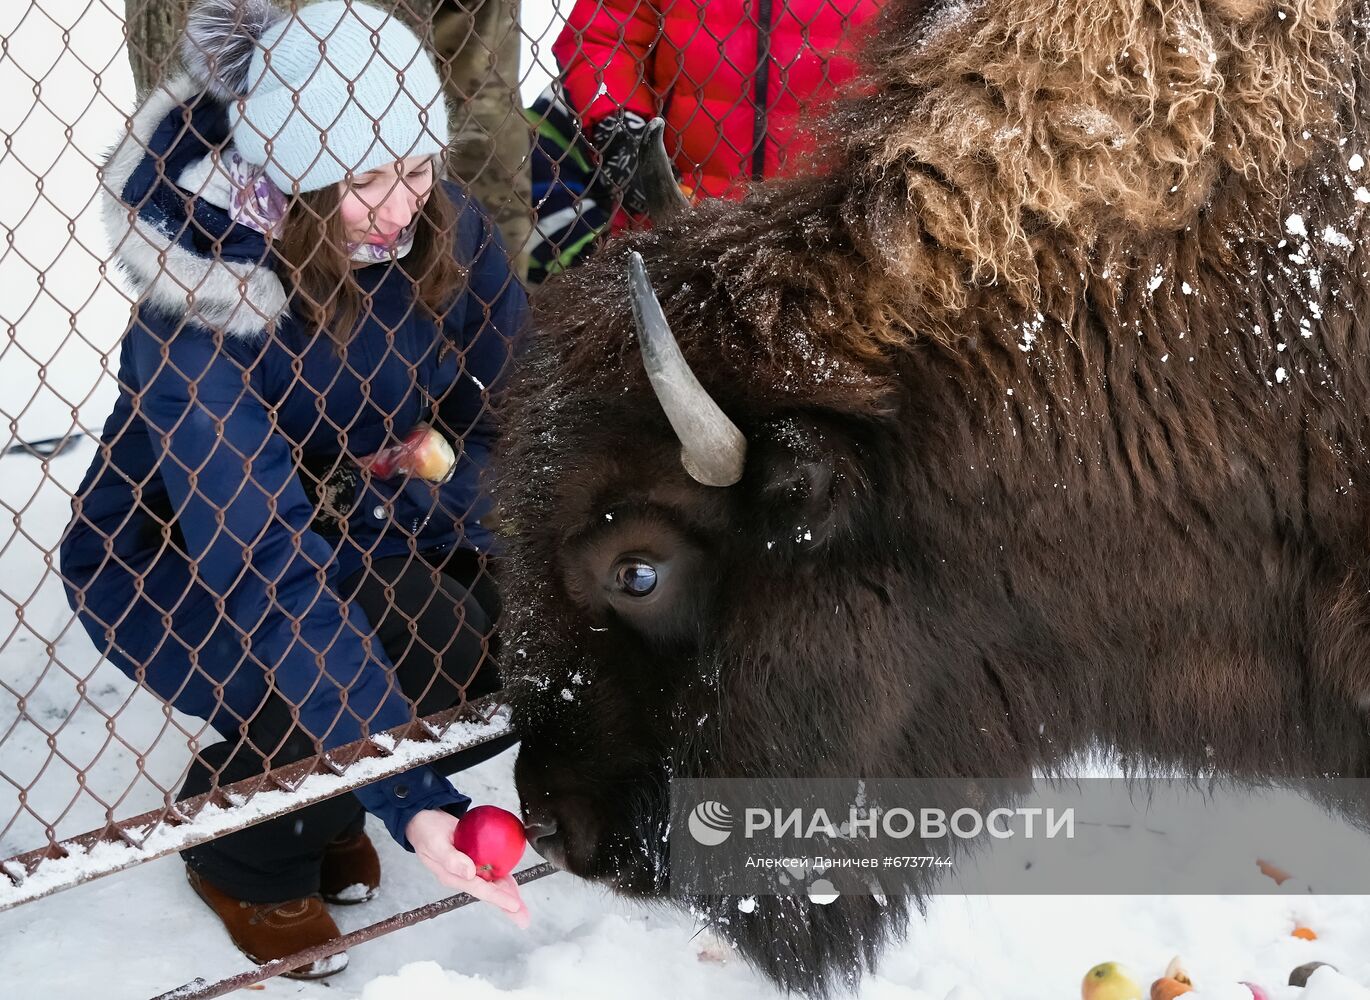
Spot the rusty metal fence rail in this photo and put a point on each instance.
(118, 565)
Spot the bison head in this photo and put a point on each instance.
(694, 584)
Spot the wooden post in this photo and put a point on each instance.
(153, 28)
(478, 47)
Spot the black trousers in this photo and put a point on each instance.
(453, 643)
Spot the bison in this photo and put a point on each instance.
(1032, 419)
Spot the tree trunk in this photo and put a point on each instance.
(153, 27)
(476, 46)
(478, 50)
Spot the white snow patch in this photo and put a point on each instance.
(355, 893)
(1333, 238)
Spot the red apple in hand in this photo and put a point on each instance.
(431, 457)
(423, 453)
(491, 837)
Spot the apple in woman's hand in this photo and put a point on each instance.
(423, 453)
(432, 457)
(491, 837)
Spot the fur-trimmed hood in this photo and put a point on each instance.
(183, 254)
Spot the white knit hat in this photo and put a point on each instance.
(292, 74)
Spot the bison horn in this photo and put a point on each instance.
(664, 197)
(712, 450)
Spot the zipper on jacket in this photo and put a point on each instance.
(761, 87)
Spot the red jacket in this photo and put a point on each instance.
(696, 64)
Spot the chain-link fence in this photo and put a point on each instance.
(250, 548)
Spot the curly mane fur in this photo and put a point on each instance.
(1143, 212)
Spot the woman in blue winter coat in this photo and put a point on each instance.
(312, 294)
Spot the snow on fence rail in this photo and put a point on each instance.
(234, 806)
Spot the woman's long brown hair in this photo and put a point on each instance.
(324, 294)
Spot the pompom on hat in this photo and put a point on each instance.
(337, 87)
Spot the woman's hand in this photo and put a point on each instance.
(430, 834)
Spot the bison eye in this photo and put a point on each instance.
(635, 578)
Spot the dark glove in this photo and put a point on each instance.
(619, 141)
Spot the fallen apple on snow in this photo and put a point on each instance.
(1109, 981)
(1174, 982)
(1166, 988)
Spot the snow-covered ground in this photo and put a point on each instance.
(142, 932)
(139, 933)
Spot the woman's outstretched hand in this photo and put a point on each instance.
(430, 834)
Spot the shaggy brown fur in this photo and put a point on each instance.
(1056, 382)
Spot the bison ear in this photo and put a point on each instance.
(807, 481)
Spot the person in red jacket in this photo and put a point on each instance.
(735, 80)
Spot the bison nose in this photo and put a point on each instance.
(540, 827)
(545, 835)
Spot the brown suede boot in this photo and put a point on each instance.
(351, 871)
(268, 931)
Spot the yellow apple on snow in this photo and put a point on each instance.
(1109, 981)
